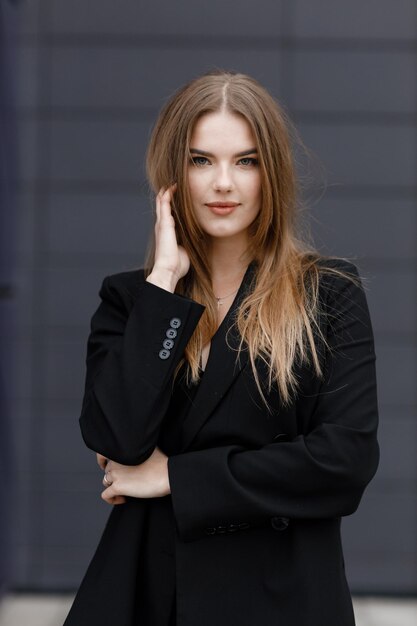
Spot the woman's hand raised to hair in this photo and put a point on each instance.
(171, 260)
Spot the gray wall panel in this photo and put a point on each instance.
(397, 373)
(72, 296)
(381, 228)
(392, 573)
(26, 291)
(63, 356)
(97, 150)
(398, 443)
(25, 225)
(158, 17)
(98, 225)
(349, 80)
(378, 539)
(364, 155)
(363, 532)
(22, 434)
(23, 350)
(28, 145)
(27, 76)
(60, 509)
(350, 153)
(29, 18)
(134, 79)
(64, 427)
(392, 301)
(367, 19)
(61, 483)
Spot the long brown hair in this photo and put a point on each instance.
(279, 318)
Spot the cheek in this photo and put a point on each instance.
(194, 184)
(254, 187)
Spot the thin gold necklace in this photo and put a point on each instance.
(219, 300)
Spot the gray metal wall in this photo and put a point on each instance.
(92, 77)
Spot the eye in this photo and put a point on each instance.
(199, 160)
(248, 161)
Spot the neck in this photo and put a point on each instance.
(228, 263)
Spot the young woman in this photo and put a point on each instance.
(230, 390)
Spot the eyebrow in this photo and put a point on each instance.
(209, 154)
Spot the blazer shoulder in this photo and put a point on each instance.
(121, 289)
(130, 281)
(337, 274)
(337, 263)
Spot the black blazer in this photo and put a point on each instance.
(257, 497)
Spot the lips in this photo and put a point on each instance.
(222, 205)
(222, 208)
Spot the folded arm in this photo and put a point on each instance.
(319, 474)
(129, 369)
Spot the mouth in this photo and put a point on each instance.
(222, 208)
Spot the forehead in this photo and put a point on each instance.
(222, 131)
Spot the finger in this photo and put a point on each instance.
(158, 207)
(107, 481)
(158, 204)
(115, 500)
(101, 460)
(118, 500)
(165, 207)
(109, 493)
(112, 499)
(171, 190)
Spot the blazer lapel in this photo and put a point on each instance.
(222, 367)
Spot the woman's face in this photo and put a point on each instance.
(224, 175)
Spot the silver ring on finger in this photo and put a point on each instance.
(106, 480)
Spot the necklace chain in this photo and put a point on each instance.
(219, 300)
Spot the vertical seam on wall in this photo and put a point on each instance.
(39, 298)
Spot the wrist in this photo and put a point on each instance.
(166, 485)
(163, 278)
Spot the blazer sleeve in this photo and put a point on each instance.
(320, 474)
(129, 372)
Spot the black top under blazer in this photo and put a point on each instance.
(257, 498)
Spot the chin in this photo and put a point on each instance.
(225, 235)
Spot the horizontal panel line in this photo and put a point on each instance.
(390, 406)
(385, 339)
(98, 260)
(142, 113)
(116, 186)
(380, 553)
(367, 191)
(48, 185)
(44, 333)
(79, 112)
(346, 118)
(408, 412)
(45, 399)
(163, 41)
(60, 260)
(391, 264)
(404, 486)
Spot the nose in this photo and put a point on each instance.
(222, 180)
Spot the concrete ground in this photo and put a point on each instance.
(51, 610)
